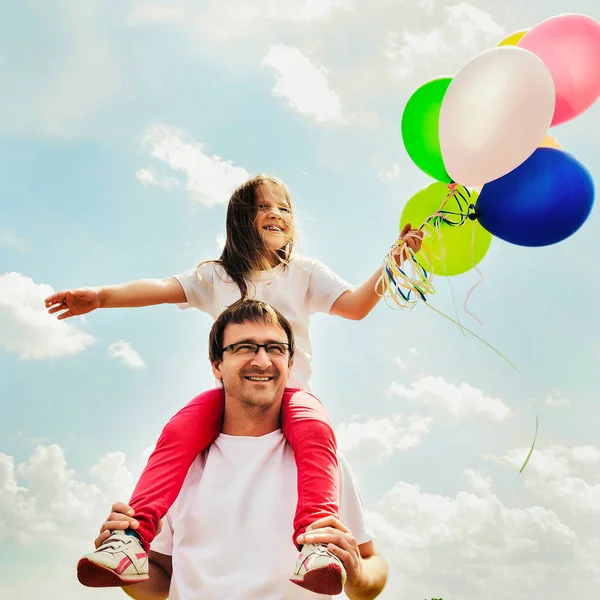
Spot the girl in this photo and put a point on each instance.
(256, 262)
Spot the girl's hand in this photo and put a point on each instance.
(73, 302)
(121, 517)
(339, 541)
(412, 237)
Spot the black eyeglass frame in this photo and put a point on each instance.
(258, 346)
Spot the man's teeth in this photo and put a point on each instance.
(259, 378)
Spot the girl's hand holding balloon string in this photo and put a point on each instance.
(410, 238)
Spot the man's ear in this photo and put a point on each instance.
(216, 369)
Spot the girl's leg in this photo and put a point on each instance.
(183, 438)
(307, 428)
(120, 560)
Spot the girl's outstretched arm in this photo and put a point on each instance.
(358, 303)
(144, 292)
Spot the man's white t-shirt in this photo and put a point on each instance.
(304, 287)
(230, 529)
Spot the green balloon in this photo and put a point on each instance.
(420, 128)
(452, 249)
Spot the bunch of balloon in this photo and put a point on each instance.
(483, 136)
(550, 195)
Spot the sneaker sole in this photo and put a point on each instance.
(326, 580)
(93, 575)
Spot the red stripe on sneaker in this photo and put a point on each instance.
(142, 555)
(123, 565)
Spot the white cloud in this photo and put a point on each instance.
(472, 21)
(54, 578)
(401, 364)
(303, 84)
(220, 242)
(46, 511)
(128, 355)
(468, 544)
(412, 48)
(471, 545)
(390, 174)
(376, 439)
(557, 400)
(458, 400)
(209, 179)
(148, 177)
(9, 240)
(51, 497)
(43, 495)
(112, 470)
(465, 31)
(414, 352)
(27, 328)
(565, 478)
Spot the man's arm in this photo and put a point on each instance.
(157, 587)
(366, 571)
(374, 575)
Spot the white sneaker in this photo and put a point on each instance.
(319, 571)
(120, 560)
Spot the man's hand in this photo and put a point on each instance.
(341, 542)
(121, 517)
(412, 237)
(73, 302)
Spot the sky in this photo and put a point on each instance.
(123, 130)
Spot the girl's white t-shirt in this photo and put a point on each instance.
(305, 286)
(230, 530)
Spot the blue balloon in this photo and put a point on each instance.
(541, 202)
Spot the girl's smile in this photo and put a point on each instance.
(273, 218)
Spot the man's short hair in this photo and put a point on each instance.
(241, 312)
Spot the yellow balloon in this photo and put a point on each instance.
(550, 142)
(514, 38)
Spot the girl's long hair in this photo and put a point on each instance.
(244, 250)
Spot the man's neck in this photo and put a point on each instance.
(250, 421)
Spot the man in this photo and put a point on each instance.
(227, 535)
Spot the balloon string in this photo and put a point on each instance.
(405, 280)
(477, 337)
(441, 258)
(407, 288)
(477, 283)
(537, 422)
(393, 279)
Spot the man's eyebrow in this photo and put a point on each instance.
(255, 341)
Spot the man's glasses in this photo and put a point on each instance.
(251, 349)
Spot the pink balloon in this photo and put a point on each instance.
(569, 45)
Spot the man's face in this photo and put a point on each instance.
(256, 380)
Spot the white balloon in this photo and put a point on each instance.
(495, 113)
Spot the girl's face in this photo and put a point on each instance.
(273, 217)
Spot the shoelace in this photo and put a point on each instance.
(111, 543)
